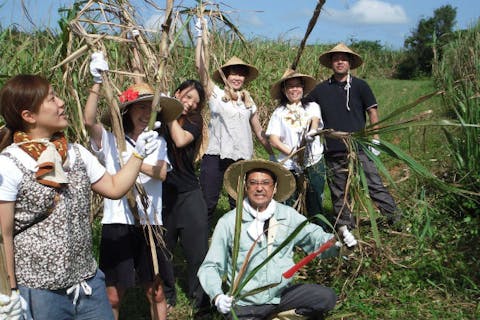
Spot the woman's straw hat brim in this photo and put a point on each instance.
(326, 57)
(170, 108)
(235, 61)
(308, 83)
(285, 180)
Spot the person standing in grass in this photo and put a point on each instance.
(290, 128)
(45, 193)
(125, 254)
(344, 102)
(233, 116)
(265, 225)
(185, 211)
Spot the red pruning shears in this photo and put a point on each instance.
(290, 272)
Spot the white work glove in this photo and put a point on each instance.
(372, 149)
(147, 142)
(198, 27)
(348, 237)
(135, 33)
(98, 64)
(310, 135)
(272, 158)
(11, 306)
(223, 303)
(125, 155)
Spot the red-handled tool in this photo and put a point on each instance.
(290, 272)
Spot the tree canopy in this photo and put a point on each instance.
(429, 37)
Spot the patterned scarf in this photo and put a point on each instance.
(35, 148)
(296, 116)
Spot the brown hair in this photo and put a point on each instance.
(22, 92)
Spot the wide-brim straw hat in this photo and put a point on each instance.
(171, 108)
(234, 61)
(308, 83)
(285, 180)
(326, 57)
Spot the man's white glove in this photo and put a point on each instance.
(310, 135)
(348, 237)
(198, 27)
(223, 303)
(372, 149)
(98, 64)
(11, 306)
(147, 143)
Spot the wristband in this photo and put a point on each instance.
(14, 289)
(137, 155)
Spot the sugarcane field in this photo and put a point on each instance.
(191, 159)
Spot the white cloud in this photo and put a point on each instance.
(369, 12)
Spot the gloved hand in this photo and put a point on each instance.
(199, 25)
(98, 64)
(223, 303)
(272, 158)
(147, 142)
(348, 237)
(372, 149)
(310, 135)
(135, 33)
(11, 306)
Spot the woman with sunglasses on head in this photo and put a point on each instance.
(45, 206)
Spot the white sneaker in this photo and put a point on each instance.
(348, 237)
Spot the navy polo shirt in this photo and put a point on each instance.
(331, 96)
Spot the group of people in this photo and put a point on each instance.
(46, 183)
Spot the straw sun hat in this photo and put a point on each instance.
(326, 57)
(276, 89)
(234, 61)
(285, 179)
(171, 107)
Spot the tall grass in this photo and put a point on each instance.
(458, 73)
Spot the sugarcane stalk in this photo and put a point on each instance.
(4, 278)
(311, 24)
(163, 56)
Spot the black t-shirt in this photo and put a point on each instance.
(331, 96)
(182, 177)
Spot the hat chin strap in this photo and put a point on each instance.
(347, 88)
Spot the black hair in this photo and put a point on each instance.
(284, 99)
(263, 170)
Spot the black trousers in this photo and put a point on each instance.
(212, 170)
(185, 220)
(337, 172)
(310, 300)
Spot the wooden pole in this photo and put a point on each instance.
(4, 278)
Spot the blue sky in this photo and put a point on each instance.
(387, 21)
